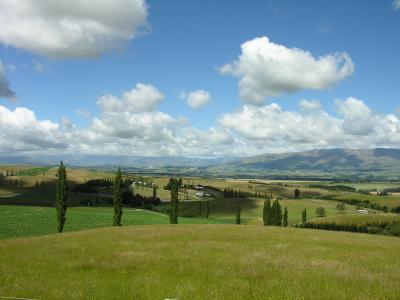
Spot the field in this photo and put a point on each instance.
(201, 262)
(148, 259)
(20, 221)
(313, 194)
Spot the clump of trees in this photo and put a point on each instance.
(272, 213)
(320, 211)
(91, 186)
(386, 228)
(363, 203)
(232, 193)
(297, 193)
(340, 206)
(61, 197)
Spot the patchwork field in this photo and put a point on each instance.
(201, 262)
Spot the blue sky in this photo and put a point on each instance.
(181, 47)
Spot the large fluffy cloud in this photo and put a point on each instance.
(20, 130)
(271, 129)
(123, 130)
(66, 28)
(266, 69)
(196, 99)
(142, 98)
(5, 90)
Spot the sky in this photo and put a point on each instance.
(198, 78)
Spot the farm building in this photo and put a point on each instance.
(362, 211)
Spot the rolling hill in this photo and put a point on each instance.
(201, 262)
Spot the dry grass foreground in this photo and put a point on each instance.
(201, 262)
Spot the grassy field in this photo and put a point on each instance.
(201, 262)
(20, 221)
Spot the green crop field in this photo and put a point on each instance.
(19, 221)
(201, 262)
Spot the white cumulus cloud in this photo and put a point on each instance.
(196, 99)
(20, 130)
(269, 128)
(266, 69)
(142, 98)
(70, 29)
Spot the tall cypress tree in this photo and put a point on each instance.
(238, 219)
(304, 216)
(154, 194)
(118, 198)
(174, 209)
(208, 209)
(61, 197)
(278, 214)
(285, 217)
(267, 212)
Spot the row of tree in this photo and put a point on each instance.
(272, 214)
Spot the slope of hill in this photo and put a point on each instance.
(201, 262)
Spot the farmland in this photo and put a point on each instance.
(38, 189)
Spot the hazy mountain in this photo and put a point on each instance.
(111, 161)
(360, 160)
(379, 159)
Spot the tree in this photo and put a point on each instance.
(61, 197)
(340, 206)
(267, 212)
(285, 218)
(174, 209)
(208, 209)
(238, 210)
(297, 193)
(200, 208)
(320, 211)
(304, 216)
(276, 213)
(154, 193)
(118, 196)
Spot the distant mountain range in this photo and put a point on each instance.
(381, 160)
(112, 161)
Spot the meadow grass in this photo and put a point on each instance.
(201, 262)
(20, 221)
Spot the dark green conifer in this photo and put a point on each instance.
(117, 201)
(61, 197)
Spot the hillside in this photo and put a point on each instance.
(201, 262)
